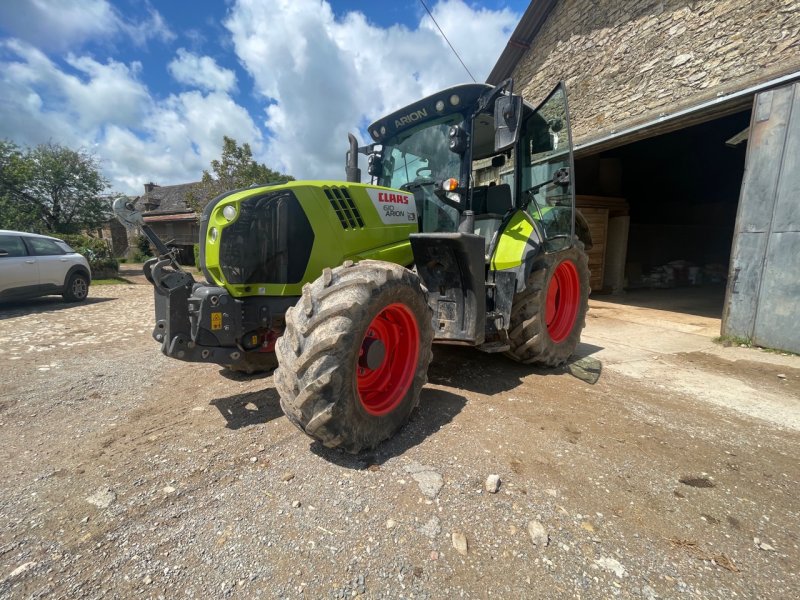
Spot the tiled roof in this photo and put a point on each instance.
(167, 199)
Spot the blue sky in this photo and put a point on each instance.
(151, 87)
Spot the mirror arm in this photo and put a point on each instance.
(488, 99)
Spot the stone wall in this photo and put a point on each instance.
(630, 61)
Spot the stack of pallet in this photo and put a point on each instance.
(597, 210)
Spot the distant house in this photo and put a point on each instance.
(165, 209)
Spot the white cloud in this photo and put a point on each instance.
(109, 111)
(317, 77)
(334, 75)
(36, 87)
(201, 71)
(63, 24)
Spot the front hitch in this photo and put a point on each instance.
(194, 322)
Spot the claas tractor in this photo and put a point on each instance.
(466, 234)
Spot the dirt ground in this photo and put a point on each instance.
(124, 473)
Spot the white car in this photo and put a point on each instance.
(37, 265)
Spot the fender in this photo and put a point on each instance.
(77, 269)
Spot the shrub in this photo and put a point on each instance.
(96, 251)
(196, 250)
(143, 246)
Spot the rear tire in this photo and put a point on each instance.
(77, 288)
(548, 315)
(355, 353)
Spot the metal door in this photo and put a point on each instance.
(763, 295)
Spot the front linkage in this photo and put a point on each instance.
(197, 322)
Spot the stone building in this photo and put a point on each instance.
(165, 208)
(669, 101)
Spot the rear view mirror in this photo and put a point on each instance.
(507, 121)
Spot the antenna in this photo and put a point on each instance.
(430, 14)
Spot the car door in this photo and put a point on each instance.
(52, 260)
(19, 272)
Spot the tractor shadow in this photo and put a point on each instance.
(251, 408)
(436, 409)
(45, 304)
(469, 369)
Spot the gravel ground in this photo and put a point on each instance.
(124, 473)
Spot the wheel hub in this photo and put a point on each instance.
(373, 351)
(387, 359)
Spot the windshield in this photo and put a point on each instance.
(416, 161)
(422, 155)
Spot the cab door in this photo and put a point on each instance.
(546, 169)
(19, 272)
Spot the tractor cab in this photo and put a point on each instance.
(491, 179)
(474, 154)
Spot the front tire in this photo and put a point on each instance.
(77, 288)
(355, 354)
(548, 315)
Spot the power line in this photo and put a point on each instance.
(430, 14)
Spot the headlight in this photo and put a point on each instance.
(229, 212)
(212, 235)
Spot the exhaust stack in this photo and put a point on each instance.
(351, 164)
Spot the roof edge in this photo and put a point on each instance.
(520, 41)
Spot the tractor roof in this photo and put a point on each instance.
(459, 98)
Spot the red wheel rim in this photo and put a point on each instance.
(563, 300)
(381, 388)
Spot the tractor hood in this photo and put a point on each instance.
(271, 240)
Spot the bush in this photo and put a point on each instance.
(196, 250)
(143, 246)
(96, 251)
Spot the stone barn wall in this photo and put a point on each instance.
(629, 61)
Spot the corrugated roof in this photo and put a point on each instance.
(520, 41)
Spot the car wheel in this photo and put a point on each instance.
(77, 288)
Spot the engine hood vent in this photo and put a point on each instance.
(344, 207)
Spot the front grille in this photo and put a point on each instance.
(270, 241)
(344, 207)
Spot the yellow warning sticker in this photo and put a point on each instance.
(216, 321)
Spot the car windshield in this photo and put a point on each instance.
(65, 247)
(421, 156)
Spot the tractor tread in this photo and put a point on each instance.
(319, 349)
(527, 333)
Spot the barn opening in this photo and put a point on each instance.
(662, 211)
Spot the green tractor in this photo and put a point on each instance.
(465, 235)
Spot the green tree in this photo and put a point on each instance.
(50, 188)
(14, 175)
(234, 170)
